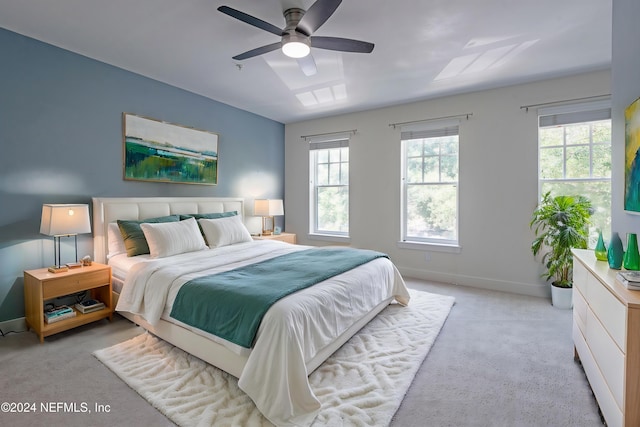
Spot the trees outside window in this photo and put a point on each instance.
(575, 159)
(329, 188)
(430, 186)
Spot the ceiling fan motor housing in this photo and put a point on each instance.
(292, 17)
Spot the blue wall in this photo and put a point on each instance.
(61, 142)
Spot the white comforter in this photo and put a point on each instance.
(292, 332)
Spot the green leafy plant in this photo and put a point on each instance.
(560, 223)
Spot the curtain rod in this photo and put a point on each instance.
(351, 131)
(457, 116)
(586, 98)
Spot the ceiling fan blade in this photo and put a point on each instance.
(258, 51)
(251, 20)
(317, 15)
(308, 65)
(343, 45)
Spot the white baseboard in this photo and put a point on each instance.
(14, 325)
(520, 288)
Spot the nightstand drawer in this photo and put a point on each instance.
(61, 286)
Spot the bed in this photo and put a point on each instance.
(297, 334)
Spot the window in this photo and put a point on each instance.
(329, 189)
(430, 184)
(575, 158)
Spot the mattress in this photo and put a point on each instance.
(120, 265)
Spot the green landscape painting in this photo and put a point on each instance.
(164, 152)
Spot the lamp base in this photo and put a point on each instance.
(58, 268)
(267, 225)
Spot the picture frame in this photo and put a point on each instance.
(160, 151)
(632, 158)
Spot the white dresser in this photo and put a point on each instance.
(606, 336)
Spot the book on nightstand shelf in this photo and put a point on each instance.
(630, 279)
(89, 306)
(58, 313)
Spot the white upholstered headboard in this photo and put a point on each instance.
(110, 209)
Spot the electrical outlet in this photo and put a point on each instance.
(427, 256)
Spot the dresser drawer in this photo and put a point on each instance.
(580, 274)
(57, 287)
(579, 309)
(609, 310)
(607, 355)
(607, 403)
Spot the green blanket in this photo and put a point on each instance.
(231, 304)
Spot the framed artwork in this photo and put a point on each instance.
(165, 152)
(632, 157)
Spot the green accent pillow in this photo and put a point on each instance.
(214, 215)
(134, 240)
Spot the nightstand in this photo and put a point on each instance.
(283, 237)
(40, 286)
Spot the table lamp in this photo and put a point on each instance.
(64, 221)
(267, 209)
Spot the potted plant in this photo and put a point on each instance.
(560, 223)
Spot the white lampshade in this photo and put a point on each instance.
(65, 220)
(268, 207)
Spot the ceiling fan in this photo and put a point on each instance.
(296, 37)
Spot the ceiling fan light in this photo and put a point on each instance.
(295, 45)
(296, 49)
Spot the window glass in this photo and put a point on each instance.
(430, 189)
(575, 159)
(330, 190)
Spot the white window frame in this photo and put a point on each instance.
(571, 114)
(324, 143)
(566, 115)
(421, 130)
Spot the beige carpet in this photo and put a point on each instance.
(361, 384)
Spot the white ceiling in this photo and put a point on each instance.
(423, 48)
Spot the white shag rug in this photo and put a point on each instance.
(361, 384)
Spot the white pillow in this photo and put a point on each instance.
(173, 238)
(224, 231)
(115, 240)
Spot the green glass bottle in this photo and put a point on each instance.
(631, 256)
(615, 253)
(601, 249)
